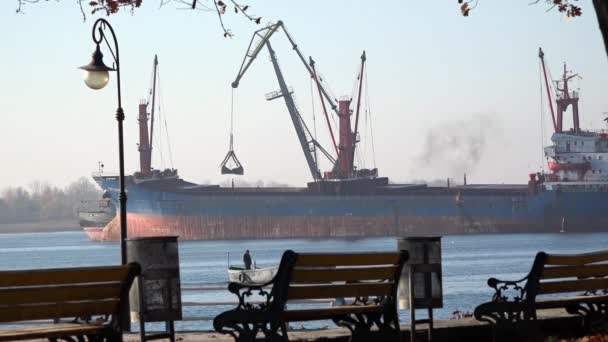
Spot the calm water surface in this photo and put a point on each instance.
(468, 261)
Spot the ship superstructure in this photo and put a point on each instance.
(578, 158)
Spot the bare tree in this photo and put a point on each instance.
(569, 8)
(221, 7)
(109, 7)
(44, 201)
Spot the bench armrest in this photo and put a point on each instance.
(244, 292)
(508, 290)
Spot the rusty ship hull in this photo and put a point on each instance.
(193, 212)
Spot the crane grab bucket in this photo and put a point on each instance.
(231, 164)
(237, 169)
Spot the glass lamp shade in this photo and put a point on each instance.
(96, 73)
(96, 79)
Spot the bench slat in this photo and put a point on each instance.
(562, 302)
(579, 259)
(574, 271)
(63, 276)
(342, 274)
(50, 331)
(336, 291)
(50, 311)
(572, 286)
(327, 313)
(347, 259)
(58, 294)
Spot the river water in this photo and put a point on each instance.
(468, 261)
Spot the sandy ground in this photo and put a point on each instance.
(42, 226)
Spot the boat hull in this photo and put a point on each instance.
(254, 276)
(252, 214)
(94, 233)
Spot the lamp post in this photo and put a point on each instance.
(96, 76)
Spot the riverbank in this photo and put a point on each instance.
(46, 226)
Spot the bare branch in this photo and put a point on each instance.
(110, 7)
(227, 32)
(84, 17)
(568, 7)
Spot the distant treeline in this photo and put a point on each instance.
(42, 201)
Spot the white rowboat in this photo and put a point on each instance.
(252, 276)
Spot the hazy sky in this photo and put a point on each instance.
(438, 83)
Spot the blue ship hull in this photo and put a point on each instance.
(176, 207)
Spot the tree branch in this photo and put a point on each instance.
(110, 7)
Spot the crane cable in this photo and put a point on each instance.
(314, 118)
(161, 110)
(238, 168)
(231, 118)
(368, 115)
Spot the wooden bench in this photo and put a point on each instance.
(91, 297)
(577, 283)
(366, 281)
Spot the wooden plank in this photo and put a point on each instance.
(58, 294)
(327, 313)
(299, 275)
(49, 311)
(50, 331)
(574, 271)
(347, 259)
(563, 302)
(336, 291)
(63, 276)
(577, 259)
(572, 286)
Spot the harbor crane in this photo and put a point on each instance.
(342, 164)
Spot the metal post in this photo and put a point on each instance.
(99, 27)
(412, 307)
(99, 35)
(430, 332)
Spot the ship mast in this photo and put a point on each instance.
(565, 98)
(145, 137)
(152, 108)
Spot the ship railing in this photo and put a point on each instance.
(105, 174)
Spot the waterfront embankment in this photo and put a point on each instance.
(45, 226)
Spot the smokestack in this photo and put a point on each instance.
(465, 179)
(448, 182)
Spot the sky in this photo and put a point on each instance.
(447, 94)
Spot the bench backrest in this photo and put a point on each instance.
(339, 275)
(571, 273)
(64, 292)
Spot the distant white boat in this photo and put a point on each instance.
(252, 276)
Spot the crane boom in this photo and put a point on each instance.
(329, 99)
(264, 35)
(541, 55)
(309, 145)
(295, 117)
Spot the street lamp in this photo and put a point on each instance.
(96, 76)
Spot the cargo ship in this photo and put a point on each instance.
(351, 202)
